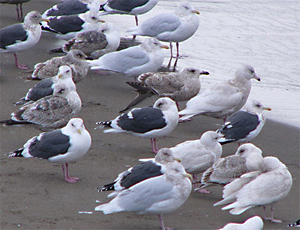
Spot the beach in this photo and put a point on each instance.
(35, 196)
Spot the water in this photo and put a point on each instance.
(262, 33)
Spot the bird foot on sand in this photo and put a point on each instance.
(272, 220)
(72, 179)
(202, 190)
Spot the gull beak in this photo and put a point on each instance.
(195, 12)
(78, 131)
(256, 77)
(59, 75)
(177, 159)
(203, 72)
(267, 108)
(164, 46)
(45, 20)
(100, 20)
(188, 176)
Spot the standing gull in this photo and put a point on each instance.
(198, 155)
(258, 189)
(132, 7)
(156, 195)
(49, 112)
(253, 223)
(244, 125)
(19, 37)
(147, 169)
(19, 7)
(133, 61)
(224, 99)
(180, 86)
(171, 27)
(148, 122)
(75, 59)
(247, 158)
(59, 146)
(48, 86)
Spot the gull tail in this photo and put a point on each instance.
(17, 153)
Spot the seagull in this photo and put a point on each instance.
(69, 7)
(253, 223)
(148, 122)
(156, 195)
(75, 59)
(244, 125)
(19, 7)
(247, 158)
(133, 61)
(258, 188)
(63, 146)
(93, 43)
(180, 86)
(223, 99)
(22, 36)
(49, 112)
(66, 27)
(198, 155)
(147, 169)
(132, 7)
(49, 86)
(296, 224)
(171, 27)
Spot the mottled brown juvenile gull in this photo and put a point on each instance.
(75, 59)
(95, 43)
(224, 99)
(148, 168)
(253, 223)
(149, 122)
(198, 155)
(180, 86)
(247, 158)
(22, 36)
(133, 61)
(49, 86)
(66, 27)
(244, 125)
(19, 8)
(259, 188)
(171, 27)
(156, 195)
(49, 112)
(59, 146)
(132, 7)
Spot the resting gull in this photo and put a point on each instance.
(151, 167)
(19, 8)
(156, 195)
(59, 146)
(49, 112)
(148, 122)
(247, 158)
(75, 59)
(180, 86)
(66, 27)
(49, 86)
(224, 99)
(198, 155)
(244, 125)
(22, 36)
(258, 189)
(171, 27)
(132, 7)
(253, 223)
(133, 61)
(95, 43)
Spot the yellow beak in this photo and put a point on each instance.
(267, 108)
(196, 12)
(164, 46)
(188, 176)
(78, 131)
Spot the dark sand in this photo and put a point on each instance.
(34, 195)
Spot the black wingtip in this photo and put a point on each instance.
(17, 153)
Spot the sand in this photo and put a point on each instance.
(35, 196)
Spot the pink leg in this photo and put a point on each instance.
(161, 223)
(171, 50)
(272, 216)
(66, 174)
(20, 66)
(153, 145)
(196, 188)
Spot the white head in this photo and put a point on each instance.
(64, 72)
(152, 45)
(248, 149)
(246, 72)
(210, 138)
(185, 8)
(165, 155)
(256, 107)
(176, 172)
(75, 125)
(272, 163)
(165, 103)
(33, 18)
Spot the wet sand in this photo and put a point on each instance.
(34, 195)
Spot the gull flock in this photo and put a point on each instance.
(164, 183)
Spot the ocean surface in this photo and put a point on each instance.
(261, 33)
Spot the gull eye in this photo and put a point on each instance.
(192, 70)
(94, 18)
(241, 150)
